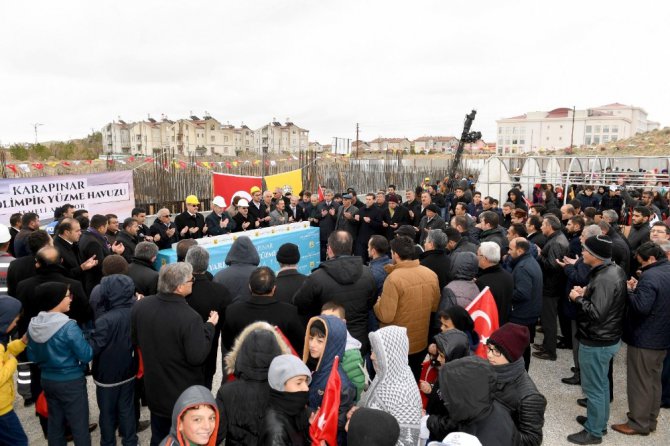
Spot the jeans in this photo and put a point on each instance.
(11, 431)
(594, 364)
(117, 408)
(67, 401)
(160, 428)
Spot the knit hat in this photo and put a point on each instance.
(432, 208)
(9, 309)
(393, 199)
(511, 340)
(599, 246)
(48, 295)
(288, 254)
(372, 427)
(285, 367)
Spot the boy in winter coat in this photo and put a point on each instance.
(11, 431)
(287, 421)
(57, 345)
(195, 419)
(352, 362)
(326, 338)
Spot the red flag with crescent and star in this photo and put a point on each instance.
(324, 426)
(484, 313)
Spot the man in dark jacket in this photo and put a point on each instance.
(527, 293)
(114, 361)
(394, 216)
(218, 221)
(326, 212)
(24, 267)
(600, 311)
(346, 220)
(553, 280)
(611, 200)
(499, 281)
(457, 243)
(647, 334)
(369, 220)
(431, 220)
(241, 261)
(30, 222)
(262, 306)
(207, 296)
(489, 230)
(434, 256)
(342, 279)
(127, 236)
(164, 231)
(191, 223)
(141, 268)
(534, 229)
(620, 248)
(639, 233)
(289, 280)
(174, 343)
(66, 242)
(93, 243)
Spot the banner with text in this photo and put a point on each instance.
(267, 242)
(99, 193)
(228, 186)
(288, 182)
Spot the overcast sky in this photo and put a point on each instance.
(398, 68)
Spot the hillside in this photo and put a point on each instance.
(654, 143)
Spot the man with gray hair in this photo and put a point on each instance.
(141, 268)
(553, 279)
(163, 230)
(434, 255)
(499, 281)
(207, 296)
(174, 342)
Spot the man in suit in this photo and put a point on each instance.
(394, 216)
(346, 214)
(94, 243)
(296, 212)
(67, 244)
(163, 231)
(325, 214)
(191, 223)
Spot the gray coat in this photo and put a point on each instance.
(242, 260)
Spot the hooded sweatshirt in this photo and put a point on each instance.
(462, 289)
(58, 347)
(242, 260)
(9, 309)
(191, 397)
(394, 389)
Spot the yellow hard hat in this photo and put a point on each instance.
(192, 199)
(255, 189)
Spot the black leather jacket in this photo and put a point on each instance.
(600, 312)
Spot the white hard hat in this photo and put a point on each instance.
(243, 203)
(219, 201)
(5, 236)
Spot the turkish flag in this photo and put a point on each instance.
(324, 426)
(320, 193)
(484, 313)
(228, 186)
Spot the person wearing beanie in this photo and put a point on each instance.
(11, 432)
(505, 348)
(287, 420)
(394, 216)
(289, 280)
(57, 346)
(372, 427)
(600, 310)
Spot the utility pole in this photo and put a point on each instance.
(358, 143)
(572, 131)
(37, 124)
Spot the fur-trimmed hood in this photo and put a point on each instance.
(254, 350)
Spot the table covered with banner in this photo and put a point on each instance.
(266, 240)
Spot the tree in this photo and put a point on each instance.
(19, 152)
(40, 151)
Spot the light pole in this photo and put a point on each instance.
(37, 124)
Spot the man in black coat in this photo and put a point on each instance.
(262, 306)
(289, 280)
(174, 342)
(24, 267)
(127, 236)
(326, 213)
(93, 243)
(191, 223)
(207, 296)
(369, 220)
(342, 279)
(431, 220)
(141, 268)
(434, 256)
(499, 281)
(620, 248)
(394, 216)
(296, 212)
(67, 244)
(163, 231)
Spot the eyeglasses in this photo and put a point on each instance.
(191, 280)
(494, 351)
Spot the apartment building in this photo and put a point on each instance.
(276, 137)
(440, 144)
(392, 144)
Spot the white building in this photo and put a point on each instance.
(277, 138)
(440, 144)
(553, 130)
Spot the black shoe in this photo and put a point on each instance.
(573, 380)
(573, 369)
(544, 355)
(584, 437)
(582, 401)
(581, 419)
(538, 347)
(28, 402)
(143, 425)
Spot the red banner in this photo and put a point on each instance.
(228, 186)
(484, 313)
(324, 426)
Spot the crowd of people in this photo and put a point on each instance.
(385, 310)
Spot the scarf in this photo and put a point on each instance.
(290, 403)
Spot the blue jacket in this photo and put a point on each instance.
(114, 360)
(378, 272)
(527, 295)
(646, 324)
(57, 345)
